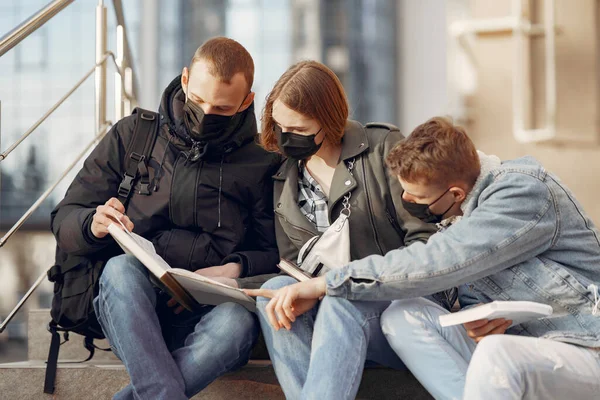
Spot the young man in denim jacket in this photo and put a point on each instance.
(520, 235)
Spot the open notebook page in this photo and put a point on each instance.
(146, 246)
(197, 277)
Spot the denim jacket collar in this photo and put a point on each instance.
(488, 164)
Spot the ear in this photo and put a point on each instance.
(249, 99)
(459, 194)
(185, 76)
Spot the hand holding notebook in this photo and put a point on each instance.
(187, 288)
(516, 311)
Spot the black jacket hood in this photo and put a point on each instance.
(171, 111)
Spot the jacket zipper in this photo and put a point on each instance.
(198, 182)
(369, 207)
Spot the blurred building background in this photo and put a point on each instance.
(401, 61)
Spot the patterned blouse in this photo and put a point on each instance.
(312, 201)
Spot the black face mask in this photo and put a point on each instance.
(423, 212)
(209, 127)
(296, 146)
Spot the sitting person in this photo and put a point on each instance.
(518, 234)
(330, 158)
(209, 210)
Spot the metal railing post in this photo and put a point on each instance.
(0, 166)
(127, 106)
(119, 96)
(101, 33)
(125, 99)
(132, 90)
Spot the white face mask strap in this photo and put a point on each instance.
(594, 289)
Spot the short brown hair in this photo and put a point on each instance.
(313, 90)
(436, 152)
(227, 57)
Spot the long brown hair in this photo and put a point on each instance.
(313, 90)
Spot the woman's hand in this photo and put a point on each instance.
(291, 301)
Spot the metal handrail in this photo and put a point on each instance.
(124, 94)
(120, 72)
(26, 297)
(48, 191)
(50, 111)
(99, 135)
(521, 28)
(33, 23)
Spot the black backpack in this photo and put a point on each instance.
(76, 278)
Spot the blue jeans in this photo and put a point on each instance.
(168, 356)
(450, 365)
(323, 355)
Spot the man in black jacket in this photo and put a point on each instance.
(209, 210)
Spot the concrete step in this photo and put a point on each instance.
(38, 341)
(101, 380)
(105, 375)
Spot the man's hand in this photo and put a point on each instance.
(479, 329)
(229, 270)
(291, 301)
(112, 211)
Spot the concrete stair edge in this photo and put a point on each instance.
(104, 375)
(101, 380)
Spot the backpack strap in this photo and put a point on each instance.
(135, 165)
(52, 364)
(138, 154)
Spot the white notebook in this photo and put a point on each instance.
(188, 288)
(516, 311)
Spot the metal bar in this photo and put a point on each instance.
(100, 133)
(127, 104)
(0, 166)
(522, 85)
(52, 109)
(550, 47)
(123, 75)
(26, 297)
(498, 25)
(127, 59)
(119, 76)
(30, 25)
(101, 23)
(518, 80)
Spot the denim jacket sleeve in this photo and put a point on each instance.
(515, 220)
